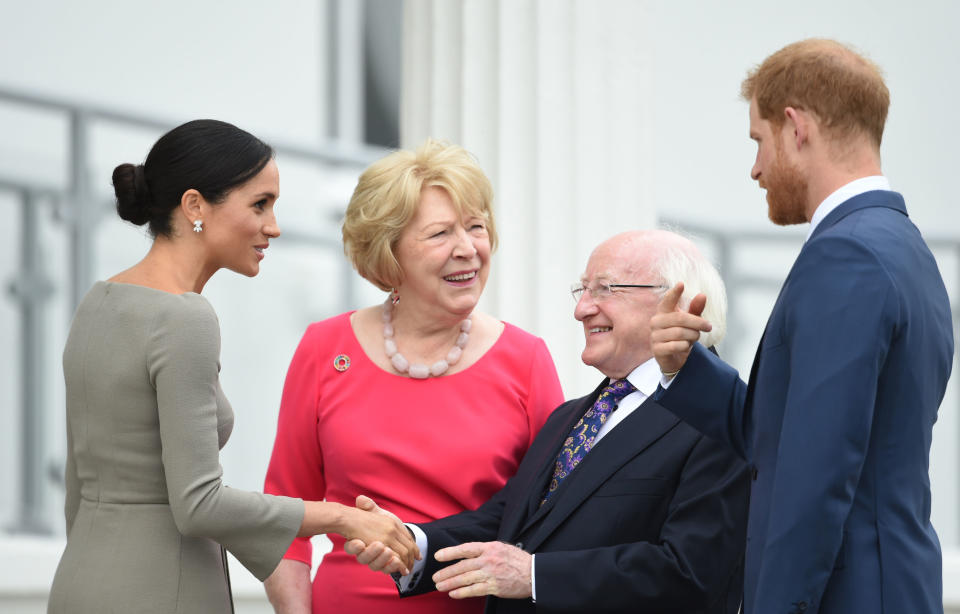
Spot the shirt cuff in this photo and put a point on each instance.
(409, 582)
(666, 381)
(533, 577)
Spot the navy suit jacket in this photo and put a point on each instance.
(837, 420)
(652, 520)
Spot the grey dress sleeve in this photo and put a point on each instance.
(71, 483)
(184, 364)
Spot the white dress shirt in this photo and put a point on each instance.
(644, 378)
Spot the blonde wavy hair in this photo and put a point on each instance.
(387, 196)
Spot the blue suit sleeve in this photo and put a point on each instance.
(709, 395)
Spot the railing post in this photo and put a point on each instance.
(735, 326)
(82, 213)
(31, 289)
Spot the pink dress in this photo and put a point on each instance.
(423, 449)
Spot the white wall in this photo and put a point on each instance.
(703, 51)
(244, 62)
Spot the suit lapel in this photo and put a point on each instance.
(641, 429)
(536, 468)
(573, 413)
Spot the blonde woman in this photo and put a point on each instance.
(424, 403)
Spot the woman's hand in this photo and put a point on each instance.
(381, 532)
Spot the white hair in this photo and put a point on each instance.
(677, 263)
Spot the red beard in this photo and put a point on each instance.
(786, 192)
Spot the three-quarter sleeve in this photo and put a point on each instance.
(183, 365)
(296, 465)
(543, 392)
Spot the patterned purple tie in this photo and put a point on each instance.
(584, 432)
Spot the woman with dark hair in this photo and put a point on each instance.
(148, 517)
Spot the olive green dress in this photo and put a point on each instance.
(146, 509)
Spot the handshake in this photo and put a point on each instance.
(379, 538)
(484, 568)
(367, 528)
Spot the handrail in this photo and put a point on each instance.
(333, 152)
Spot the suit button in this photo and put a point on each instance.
(754, 476)
(519, 545)
(802, 606)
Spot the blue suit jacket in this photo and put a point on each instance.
(837, 420)
(652, 520)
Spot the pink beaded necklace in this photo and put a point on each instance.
(419, 371)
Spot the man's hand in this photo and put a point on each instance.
(673, 332)
(376, 555)
(487, 568)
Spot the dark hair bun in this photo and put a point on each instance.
(133, 197)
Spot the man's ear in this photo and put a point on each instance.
(191, 205)
(797, 122)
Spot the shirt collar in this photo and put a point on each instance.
(845, 193)
(646, 377)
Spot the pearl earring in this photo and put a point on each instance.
(197, 225)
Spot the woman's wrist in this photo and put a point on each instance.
(340, 522)
(323, 517)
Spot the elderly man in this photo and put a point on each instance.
(838, 414)
(618, 506)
